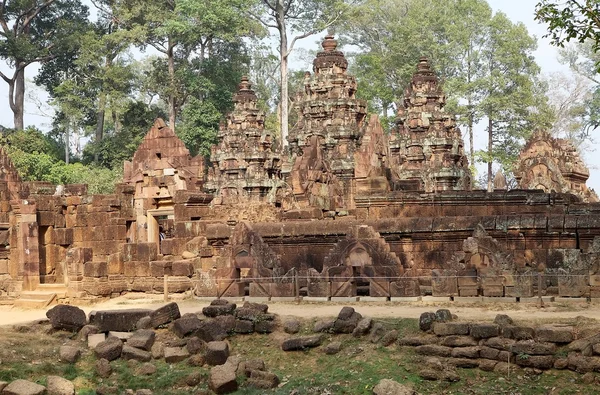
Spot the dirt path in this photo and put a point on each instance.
(471, 311)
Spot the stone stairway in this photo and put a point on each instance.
(43, 296)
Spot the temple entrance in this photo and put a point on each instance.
(160, 225)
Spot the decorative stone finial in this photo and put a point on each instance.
(245, 92)
(423, 65)
(500, 183)
(329, 44)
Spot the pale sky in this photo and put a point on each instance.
(517, 10)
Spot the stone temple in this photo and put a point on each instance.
(347, 211)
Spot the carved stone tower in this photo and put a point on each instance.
(552, 164)
(245, 168)
(426, 147)
(326, 141)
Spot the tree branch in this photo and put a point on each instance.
(259, 19)
(3, 22)
(271, 6)
(310, 33)
(42, 7)
(5, 78)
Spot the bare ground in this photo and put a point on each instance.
(526, 312)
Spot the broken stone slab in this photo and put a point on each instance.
(222, 379)
(377, 332)
(530, 347)
(495, 354)
(414, 341)
(95, 339)
(243, 326)
(443, 315)
(465, 352)
(346, 321)
(142, 338)
(215, 310)
(117, 320)
(123, 336)
(582, 364)
(391, 387)
(175, 354)
(103, 368)
(66, 317)
(209, 332)
(226, 322)
(484, 331)
(536, 361)
(261, 307)
(248, 366)
(426, 321)
(503, 320)
(165, 314)
(332, 348)
(86, 331)
(301, 343)
(450, 328)
(458, 341)
(324, 325)
(389, 338)
(434, 350)
(136, 354)
(23, 387)
(554, 334)
(110, 349)
(262, 380)
(185, 326)
(264, 326)
(464, 363)
(518, 332)
(363, 327)
(69, 354)
(56, 385)
(195, 345)
(292, 326)
(499, 343)
(144, 323)
(216, 353)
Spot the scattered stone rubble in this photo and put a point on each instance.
(501, 346)
(445, 344)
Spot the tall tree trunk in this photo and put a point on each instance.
(172, 97)
(283, 53)
(490, 187)
(67, 127)
(19, 98)
(100, 122)
(471, 149)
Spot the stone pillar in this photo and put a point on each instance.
(28, 245)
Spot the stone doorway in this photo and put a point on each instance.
(157, 220)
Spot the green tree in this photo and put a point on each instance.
(583, 60)
(120, 145)
(570, 19)
(484, 61)
(35, 31)
(184, 31)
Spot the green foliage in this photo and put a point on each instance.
(35, 31)
(37, 158)
(199, 126)
(117, 147)
(31, 140)
(484, 61)
(570, 19)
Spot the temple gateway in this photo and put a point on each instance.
(346, 211)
